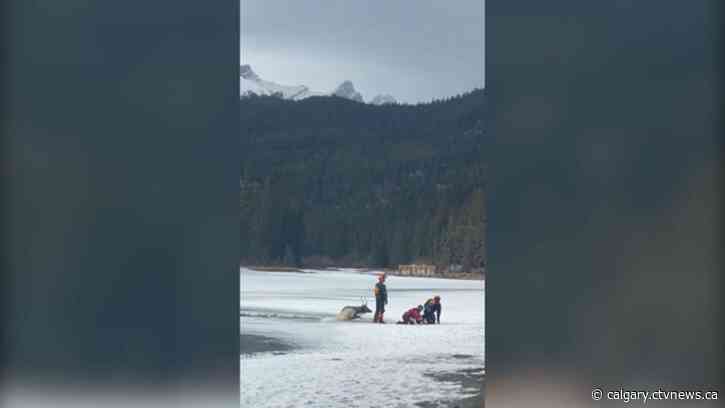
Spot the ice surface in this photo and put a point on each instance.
(358, 363)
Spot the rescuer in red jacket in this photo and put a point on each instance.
(413, 316)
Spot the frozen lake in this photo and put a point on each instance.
(355, 364)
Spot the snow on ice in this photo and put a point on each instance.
(356, 363)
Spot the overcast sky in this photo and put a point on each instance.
(415, 50)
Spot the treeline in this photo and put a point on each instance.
(331, 181)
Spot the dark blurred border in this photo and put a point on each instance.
(119, 209)
(605, 215)
(120, 184)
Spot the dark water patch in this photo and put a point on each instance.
(278, 314)
(470, 378)
(462, 356)
(254, 343)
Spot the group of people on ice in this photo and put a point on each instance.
(431, 309)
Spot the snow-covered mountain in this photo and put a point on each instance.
(347, 90)
(383, 100)
(251, 83)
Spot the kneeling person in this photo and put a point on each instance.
(413, 316)
(432, 313)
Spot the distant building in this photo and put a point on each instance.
(417, 270)
(454, 271)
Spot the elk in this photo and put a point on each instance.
(353, 312)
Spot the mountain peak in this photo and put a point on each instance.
(347, 90)
(247, 73)
(383, 99)
(252, 84)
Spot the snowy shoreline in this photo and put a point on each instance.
(367, 270)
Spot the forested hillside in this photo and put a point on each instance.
(329, 181)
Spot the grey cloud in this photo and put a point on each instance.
(413, 49)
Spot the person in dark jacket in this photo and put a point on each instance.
(432, 310)
(381, 299)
